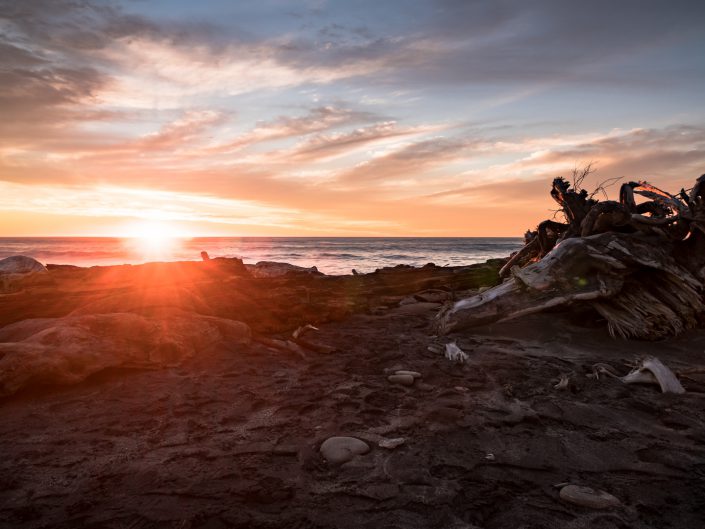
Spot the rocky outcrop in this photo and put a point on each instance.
(68, 350)
(223, 288)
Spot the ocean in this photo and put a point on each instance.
(332, 255)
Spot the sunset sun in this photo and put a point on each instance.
(153, 239)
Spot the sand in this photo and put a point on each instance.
(231, 436)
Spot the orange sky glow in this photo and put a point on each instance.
(328, 122)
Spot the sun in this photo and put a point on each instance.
(153, 239)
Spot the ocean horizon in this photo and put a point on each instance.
(332, 255)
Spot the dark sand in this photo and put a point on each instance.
(230, 438)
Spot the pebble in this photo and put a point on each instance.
(405, 380)
(338, 450)
(414, 374)
(587, 497)
(390, 444)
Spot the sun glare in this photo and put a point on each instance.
(153, 240)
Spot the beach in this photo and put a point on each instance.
(224, 428)
(352, 265)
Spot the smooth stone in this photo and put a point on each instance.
(391, 444)
(404, 380)
(588, 497)
(414, 374)
(338, 450)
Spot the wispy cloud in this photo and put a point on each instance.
(317, 119)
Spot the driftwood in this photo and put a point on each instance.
(639, 265)
(652, 371)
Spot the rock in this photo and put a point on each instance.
(20, 271)
(274, 269)
(391, 444)
(20, 264)
(205, 256)
(339, 450)
(70, 349)
(404, 380)
(414, 374)
(588, 497)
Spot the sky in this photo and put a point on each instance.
(337, 118)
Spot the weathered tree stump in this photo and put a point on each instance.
(640, 266)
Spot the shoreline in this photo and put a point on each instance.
(330, 255)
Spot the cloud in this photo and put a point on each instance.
(635, 154)
(186, 130)
(167, 206)
(315, 120)
(161, 73)
(325, 146)
(671, 158)
(408, 162)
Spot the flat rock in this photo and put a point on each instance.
(338, 450)
(274, 269)
(588, 497)
(404, 380)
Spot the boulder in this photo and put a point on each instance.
(20, 271)
(20, 264)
